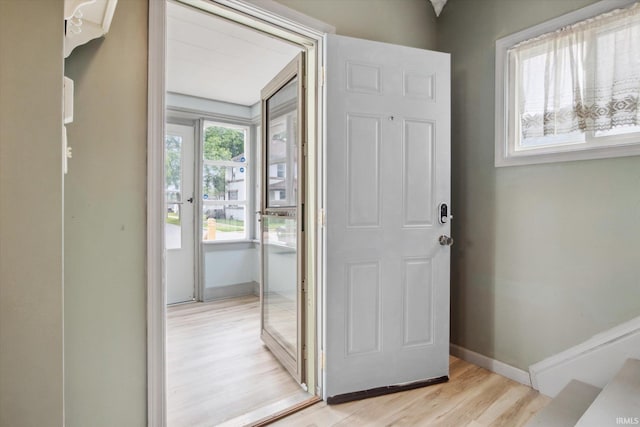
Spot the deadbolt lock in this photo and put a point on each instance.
(443, 213)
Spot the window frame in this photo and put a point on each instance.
(506, 124)
(246, 203)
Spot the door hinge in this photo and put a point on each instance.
(322, 360)
(322, 218)
(304, 352)
(304, 285)
(304, 148)
(322, 76)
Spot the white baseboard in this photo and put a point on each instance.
(231, 291)
(492, 365)
(594, 361)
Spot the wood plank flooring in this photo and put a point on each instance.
(218, 370)
(220, 373)
(473, 397)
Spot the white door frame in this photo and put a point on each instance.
(280, 21)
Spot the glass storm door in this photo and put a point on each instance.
(282, 232)
(179, 215)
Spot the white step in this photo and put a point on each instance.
(567, 407)
(619, 401)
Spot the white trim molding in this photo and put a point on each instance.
(287, 17)
(156, 286)
(490, 364)
(594, 361)
(231, 291)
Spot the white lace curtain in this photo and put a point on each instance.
(585, 77)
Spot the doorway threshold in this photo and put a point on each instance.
(272, 413)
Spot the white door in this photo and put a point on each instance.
(388, 181)
(179, 215)
(282, 236)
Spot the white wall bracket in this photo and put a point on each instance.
(86, 20)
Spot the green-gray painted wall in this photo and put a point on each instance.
(105, 227)
(545, 255)
(31, 227)
(406, 22)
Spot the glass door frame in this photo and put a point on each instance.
(188, 198)
(295, 365)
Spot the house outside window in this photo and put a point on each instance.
(225, 175)
(569, 89)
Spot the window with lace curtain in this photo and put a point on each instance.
(568, 89)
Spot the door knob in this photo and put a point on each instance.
(445, 240)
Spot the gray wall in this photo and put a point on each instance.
(545, 255)
(105, 238)
(31, 235)
(406, 22)
(230, 264)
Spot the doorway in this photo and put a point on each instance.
(179, 225)
(229, 219)
(385, 308)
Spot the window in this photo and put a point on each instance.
(569, 90)
(224, 182)
(173, 190)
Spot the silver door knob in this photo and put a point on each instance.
(445, 240)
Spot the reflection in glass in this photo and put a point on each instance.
(282, 150)
(280, 280)
(172, 189)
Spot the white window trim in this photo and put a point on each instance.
(502, 120)
(249, 216)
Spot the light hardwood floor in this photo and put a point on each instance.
(218, 369)
(473, 397)
(220, 373)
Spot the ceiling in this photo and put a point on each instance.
(210, 57)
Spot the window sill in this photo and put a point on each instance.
(212, 245)
(531, 158)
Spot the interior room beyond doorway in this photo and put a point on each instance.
(218, 368)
